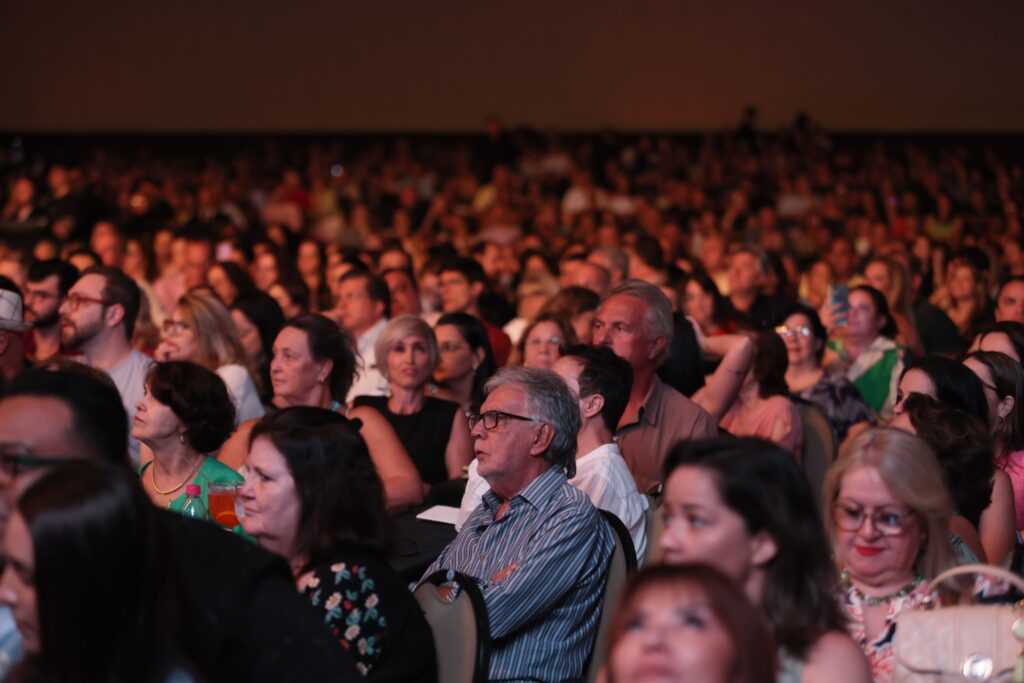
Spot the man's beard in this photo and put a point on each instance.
(73, 337)
(48, 321)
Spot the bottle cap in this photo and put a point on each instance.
(193, 490)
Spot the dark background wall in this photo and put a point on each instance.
(303, 65)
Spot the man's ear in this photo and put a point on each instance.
(114, 315)
(325, 371)
(591, 406)
(541, 440)
(658, 345)
(477, 288)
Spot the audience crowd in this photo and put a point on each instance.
(582, 342)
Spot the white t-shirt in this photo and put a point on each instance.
(369, 381)
(603, 475)
(130, 378)
(243, 392)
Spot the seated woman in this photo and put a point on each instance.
(892, 479)
(314, 365)
(688, 623)
(258, 319)
(579, 305)
(200, 330)
(543, 342)
(963, 298)
(963, 447)
(1005, 337)
(744, 507)
(805, 339)
(184, 414)
(864, 349)
(762, 407)
(92, 582)
(312, 496)
(465, 360)
(435, 432)
(706, 306)
(1003, 381)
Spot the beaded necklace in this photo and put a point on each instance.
(872, 601)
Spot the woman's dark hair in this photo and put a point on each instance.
(265, 313)
(328, 342)
(199, 398)
(762, 484)
(751, 643)
(473, 331)
(817, 328)
(340, 494)
(881, 309)
(720, 315)
(110, 604)
(1014, 331)
(1008, 380)
(954, 383)
(963, 446)
(770, 363)
(239, 278)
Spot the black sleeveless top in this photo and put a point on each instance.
(424, 434)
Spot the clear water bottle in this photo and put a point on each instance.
(194, 504)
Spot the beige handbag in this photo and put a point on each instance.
(961, 642)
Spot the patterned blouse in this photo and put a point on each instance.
(840, 401)
(346, 594)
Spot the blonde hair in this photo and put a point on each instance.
(398, 329)
(217, 341)
(912, 474)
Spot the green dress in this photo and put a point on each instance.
(211, 470)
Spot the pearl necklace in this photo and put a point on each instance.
(872, 601)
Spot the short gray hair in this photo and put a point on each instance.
(658, 320)
(397, 329)
(550, 400)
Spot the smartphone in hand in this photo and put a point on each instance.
(839, 295)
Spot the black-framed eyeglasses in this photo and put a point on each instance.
(492, 417)
(889, 521)
(75, 300)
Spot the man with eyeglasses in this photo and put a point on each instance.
(48, 283)
(250, 621)
(97, 318)
(537, 548)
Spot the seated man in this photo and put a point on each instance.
(537, 548)
(601, 381)
(253, 625)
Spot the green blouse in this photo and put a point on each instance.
(211, 470)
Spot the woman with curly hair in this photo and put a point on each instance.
(184, 414)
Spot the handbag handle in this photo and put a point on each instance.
(988, 569)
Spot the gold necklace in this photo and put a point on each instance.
(156, 488)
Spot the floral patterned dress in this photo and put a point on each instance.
(347, 595)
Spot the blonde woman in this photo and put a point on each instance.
(435, 432)
(201, 330)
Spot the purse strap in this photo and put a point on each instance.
(987, 569)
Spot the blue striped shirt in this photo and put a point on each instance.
(544, 612)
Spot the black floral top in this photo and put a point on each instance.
(370, 611)
(839, 399)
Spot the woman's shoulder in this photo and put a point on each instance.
(835, 657)
(214, 469)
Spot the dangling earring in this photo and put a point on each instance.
(181, 437)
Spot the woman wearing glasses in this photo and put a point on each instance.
(201, 330)
(888, 517)
(543, 341)
(805, 339)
